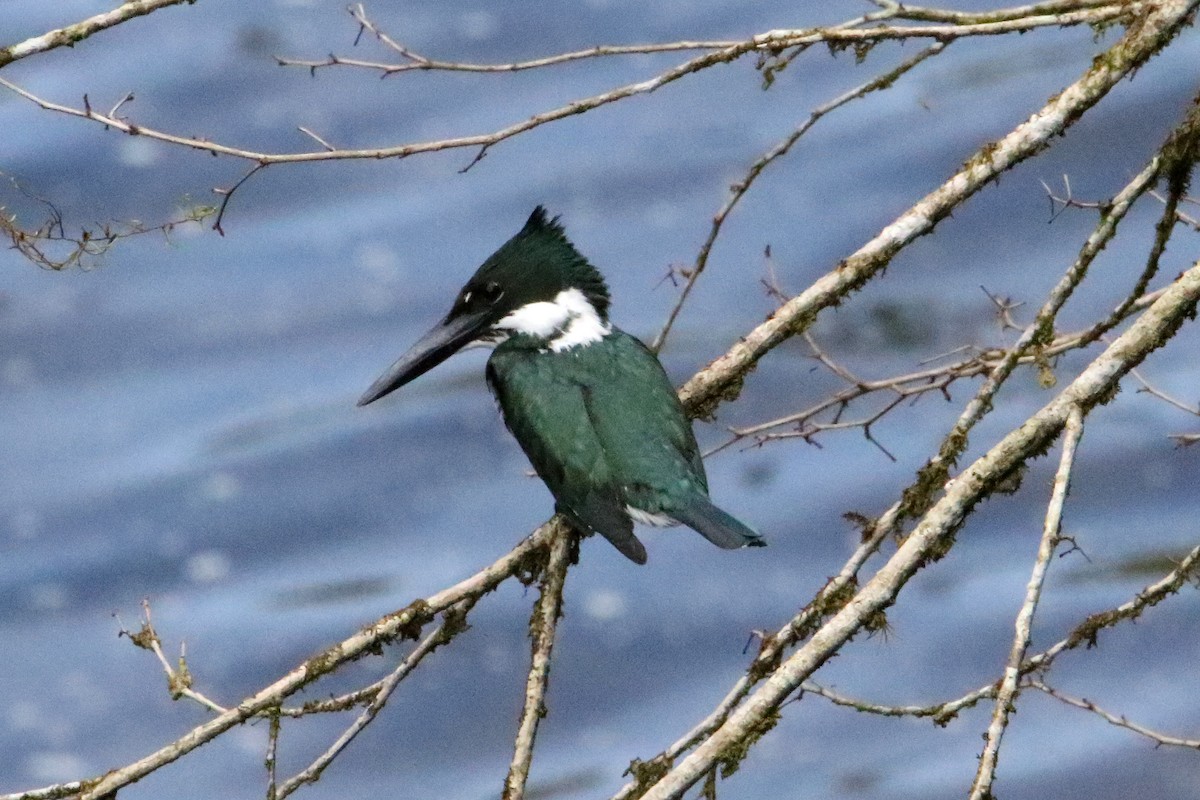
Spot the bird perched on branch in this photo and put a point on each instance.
(589, 404)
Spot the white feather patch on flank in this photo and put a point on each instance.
(567, 321)
(646, 518)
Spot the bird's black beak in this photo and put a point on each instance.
(444, 340)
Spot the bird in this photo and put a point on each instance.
(590, 405)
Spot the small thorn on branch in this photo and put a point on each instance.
(1004, 308)
(319, 140)
(227, 194)
(128, 98)
(478, 157)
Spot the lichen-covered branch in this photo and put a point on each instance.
(1120, 721)
(1037, 343)
(739, 189)
(937, 505)
(1009, 686)
(1152, 32)
(73, 34)
(845, 34)
(1084, 634)
(934, 533)
(524, 558)
(455, 621)
(542, 629)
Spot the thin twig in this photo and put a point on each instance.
(415, 61)
(953, 25)
(1028, 138)
(128, 98)
(454, 622)
(770, 41)
(1084, 634)
(272, 753)
(909, 385)
(543, 626)
(179, 677)
(516, 561)
(1153, 391)
(1120, 721)
(49, 246)
(739, 189)
(1006, 693)
(933, 534)
(318, 139)
(1183, 217)
(227, 194)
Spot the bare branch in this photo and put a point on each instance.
(455, 622)
(542, 628)
(1041, 331)
(1006, 693)
(415, 61)
(1036, 344)
(907, 386)
(771, 41)
(73, 34)
(833, 597)
(49, 246)
(518, 561)
(998, 15)
(227, 195)
(849, 33)
(1083, 634)
(840, 609)
(934, 533)
(271, 758)
(1139, 44)
(1183, 217)
(1149, 389)
(318, 139)
(70, 789)
(1113, 719)
(179, 678)
(1004, 308)
(828, 600)
(739, 189)
(1180, 439)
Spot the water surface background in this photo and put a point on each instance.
(177, 423)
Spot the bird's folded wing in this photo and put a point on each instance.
(637, 417)
(545, 412)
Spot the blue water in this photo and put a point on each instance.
(177, 422)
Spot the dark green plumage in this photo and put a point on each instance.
(602, 427)
(539, 262)
(589, 404)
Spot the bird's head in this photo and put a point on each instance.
(537, 284)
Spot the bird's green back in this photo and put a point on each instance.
(598, 418)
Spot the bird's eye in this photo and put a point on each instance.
(492, 291)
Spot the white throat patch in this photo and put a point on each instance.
(567, 321)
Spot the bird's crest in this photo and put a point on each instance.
(541, 259)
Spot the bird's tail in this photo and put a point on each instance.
(722, 529)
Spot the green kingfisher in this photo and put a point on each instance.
(589, 404)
